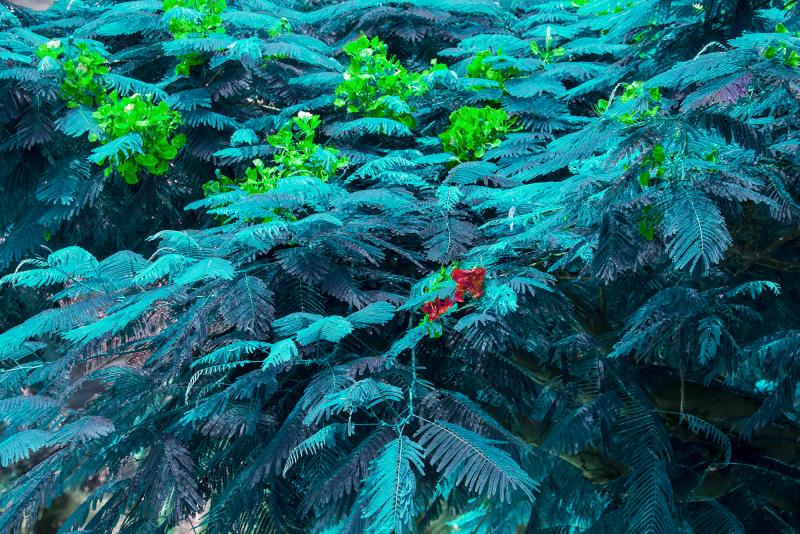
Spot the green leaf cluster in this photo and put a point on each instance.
(282, 27)
(473, 131)
(83, 85)
(649, 223)
(496, 67)
(652, 165)
(207, 21)
(221, 184)
(374, 82)
(618, 7)
(296, 154)
(52, 49)
(643, 103)
(83, 69)
(548, 52)
(155, 123)
(786, 54)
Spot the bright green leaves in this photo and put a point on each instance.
(206, 19)
(193, 18)
(377, 85)
(296, 154)
(83, 72)
(652, 165)
(137, 134)
(649, 222)
(652, 168)
(782, 52)
(52, 49)
(258, 178)
(548, 52)
(473, 131)
(220, 185)
(83, 78)
(299, 155)
(184, 66)
(636, 90)
(496, 67)
(281, 28)
(787, 55)
(641, 103)
(155, 124)
(620, 7)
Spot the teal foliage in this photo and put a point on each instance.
(389, 490)
(548, 284)
(475, 460)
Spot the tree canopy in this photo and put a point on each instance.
(410, 266)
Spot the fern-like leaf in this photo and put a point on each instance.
(388, 492)
(695, 229)
(474, 461)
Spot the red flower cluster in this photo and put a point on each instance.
(468, 280)
(436, 308)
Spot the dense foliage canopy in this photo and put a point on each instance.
(444, 265)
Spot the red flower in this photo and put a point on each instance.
(468, 280)
(436, 308)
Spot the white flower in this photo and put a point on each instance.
(129, 108)
(304, 115)
(54, 44)
(346, 76)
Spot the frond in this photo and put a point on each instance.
(710, 431)
(389, 490)
(371, 126)
(361, 394)
(19, 446)
(695, 229)
(78, 122)
(118, 149)
(324, 437)
(474, 461)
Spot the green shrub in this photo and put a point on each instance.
(644, 103)
(473, 131)
(154, 123)
(548, 52)
(496, 67)
(377, 85)
(208, 22)
(83, 71)
(297, 154)
(283, 26)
